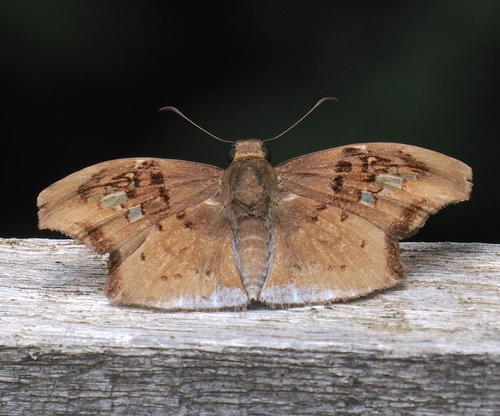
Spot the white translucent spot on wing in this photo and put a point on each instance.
(408, 176)
(139, 162)
(367, 198)
(110, 189)
(211, 201)
(360, 147)
(135, 213)
(95, 198)
(114, 200)
(289, 196)
(392, 181)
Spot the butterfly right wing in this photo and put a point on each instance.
(163, 226)
(186, 263)
(119, 201)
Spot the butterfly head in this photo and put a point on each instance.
(248, 149)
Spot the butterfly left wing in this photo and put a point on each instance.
(321, 258)
(340, 213)
(394, 186)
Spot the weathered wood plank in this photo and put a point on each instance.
(429, 346)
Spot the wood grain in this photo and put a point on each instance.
(429, 346)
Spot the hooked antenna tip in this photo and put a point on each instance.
(323, 100)
(176, 111)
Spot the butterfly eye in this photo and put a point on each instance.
(232, 153)
(266, 151)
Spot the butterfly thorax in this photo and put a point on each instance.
(251, 181)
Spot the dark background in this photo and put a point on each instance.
(81, 82)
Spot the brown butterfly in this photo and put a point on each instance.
(316, 229)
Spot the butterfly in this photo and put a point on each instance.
(316, 229)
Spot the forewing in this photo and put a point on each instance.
(186, 263)
(323, 254)
(116, 203)
(393, 186)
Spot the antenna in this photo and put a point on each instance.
(323, 100)
(175, 110)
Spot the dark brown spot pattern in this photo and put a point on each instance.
(351, 151)
(165, 195)
(132, 193)
(376, 164)
(188, 224)
(114, 260)
(370, 178)
(394, 265)
(99, 239)
(343, 166)
(412, 162)
(337, 184)
(148, 164)
(113, 285)
(85, 189)
(409, 215)
(157, 178)
(158, 202)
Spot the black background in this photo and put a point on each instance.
(82, 82)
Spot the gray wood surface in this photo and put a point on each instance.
(431, 346)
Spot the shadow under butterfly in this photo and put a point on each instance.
(313, 230)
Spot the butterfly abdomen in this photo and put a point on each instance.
(250, 183)
(252, 243)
